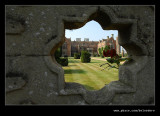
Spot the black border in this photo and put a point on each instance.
(81, 2)
(74, 108)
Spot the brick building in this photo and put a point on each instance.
(70, 47)
(110, 42)
(66, 47)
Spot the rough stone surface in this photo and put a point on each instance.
(14, 83)
(33, 33)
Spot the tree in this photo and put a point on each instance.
(115, 58)
(100, 50)
(106, 48)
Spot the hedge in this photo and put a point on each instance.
(64, 61)
(59, 59)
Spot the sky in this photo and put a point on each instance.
(91, 30)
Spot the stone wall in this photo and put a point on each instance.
(33, 33)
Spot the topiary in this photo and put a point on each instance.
(85, 57)
(61, 61)
(64, 61)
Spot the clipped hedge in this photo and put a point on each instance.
(85, 57)
(76, 56)
(64, 61)
(59, 59)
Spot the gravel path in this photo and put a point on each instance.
(98, 59)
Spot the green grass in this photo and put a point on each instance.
(104, 57)
(89, 74)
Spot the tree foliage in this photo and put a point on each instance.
(114, 58)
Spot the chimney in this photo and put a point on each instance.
(112, 35)
(78, 39)
(107, 37)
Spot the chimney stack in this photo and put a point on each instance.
(112, 35)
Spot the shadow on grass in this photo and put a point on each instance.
(72, 65)
(88, 87)
(74, 61)
(71, 71)
(94, 62)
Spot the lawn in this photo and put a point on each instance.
(89, 74)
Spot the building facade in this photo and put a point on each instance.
(66, 47)
(70, 47)
(109, 42)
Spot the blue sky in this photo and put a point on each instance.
(91, 30)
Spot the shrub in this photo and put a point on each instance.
(58, 53)
(76, 56)
(115, 58)
(85, 56)
(61, 61)
(64, 61)
(100, 52)
(106, 48)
